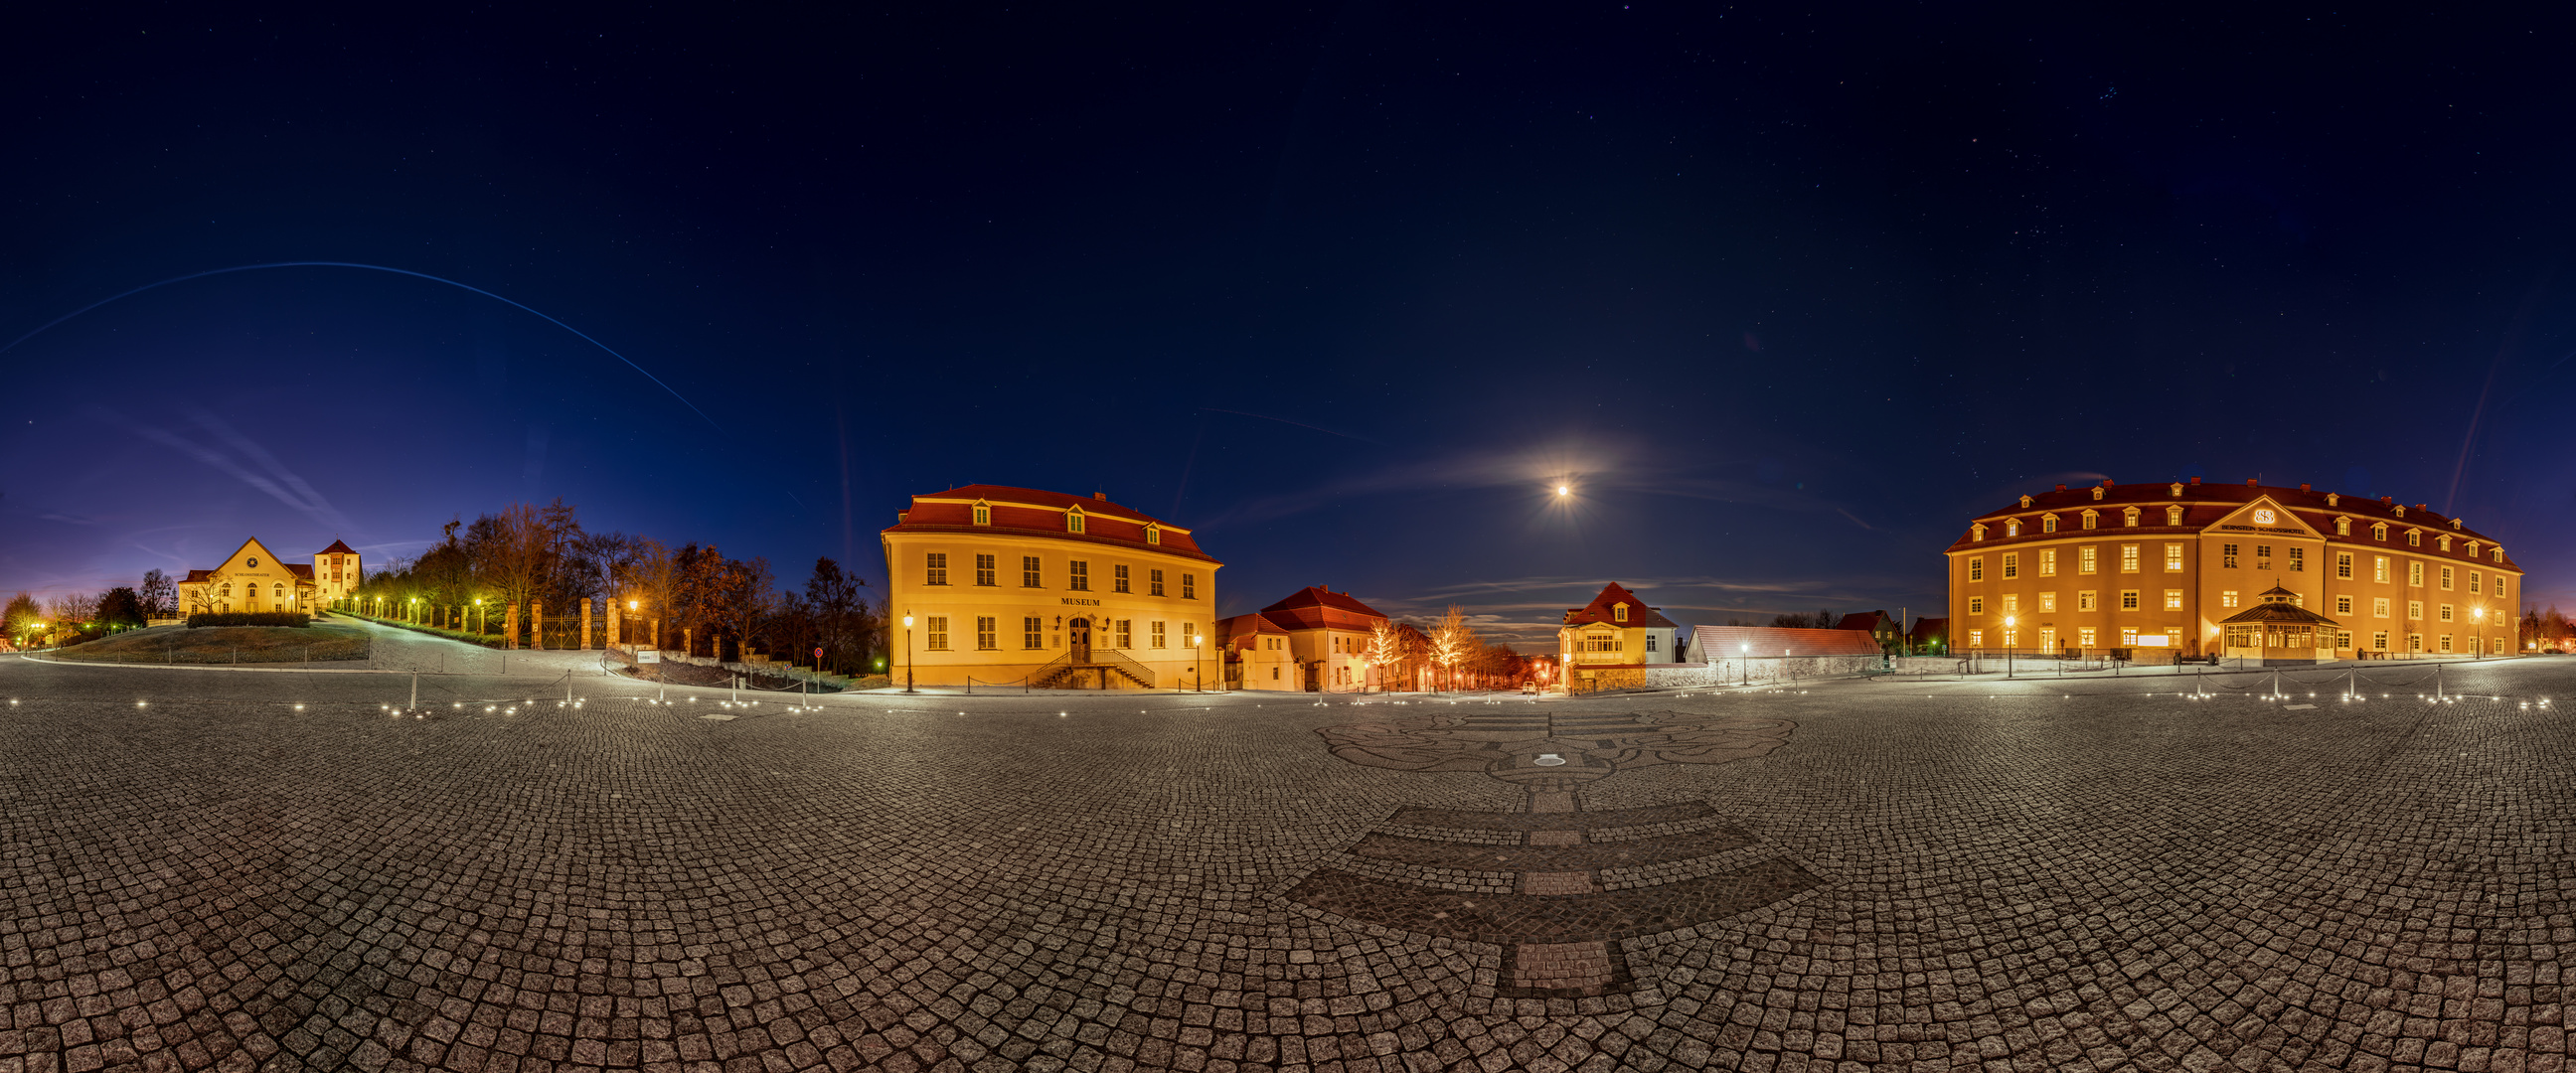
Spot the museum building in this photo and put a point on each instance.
(1016, 586)
(2251, 571)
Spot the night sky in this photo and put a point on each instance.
(1784, 294)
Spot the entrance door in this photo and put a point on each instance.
(1078, 638)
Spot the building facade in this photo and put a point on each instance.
(1608, 643)
(1015, 585)
(2161, 567)
(1327, 634)
(252, 578)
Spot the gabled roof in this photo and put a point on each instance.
(1925, 628)
(1599, 611)
(197, 575)
(1035, 512)
(1730, 642)
(337, 547)
(1863, 620)
(1318, 608)
(1243, 631)
(2205, 505)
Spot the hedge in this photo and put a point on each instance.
(297, 619)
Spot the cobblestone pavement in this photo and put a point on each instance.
(1844, 875)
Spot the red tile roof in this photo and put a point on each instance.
(1728, 642)
(1317, 608)
(1032, 512)
(2204, 504)
(337, 548)
(198, 575)
(1599, 610)
(1864, 620)
(1927, 628)
(1242, 631)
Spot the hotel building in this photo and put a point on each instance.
(1609, 643)
(2166, 566)
(1014, 585)
(252, 579)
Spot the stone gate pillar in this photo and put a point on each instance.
(585, 626)
(536, 624)
(510, 627)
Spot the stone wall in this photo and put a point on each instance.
(1928, 665)
(1728, 672)
(1595, 681)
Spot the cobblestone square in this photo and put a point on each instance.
(2052, 874)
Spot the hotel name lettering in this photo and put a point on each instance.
(2284, 531)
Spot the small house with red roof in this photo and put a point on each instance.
(1257, 654)
(1328, 635)
(1018, 586)
(1608, 643)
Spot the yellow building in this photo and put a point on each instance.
(253, 579)
(2163, 568)
(1608, 643)
(1323, 637)
(1015, 585)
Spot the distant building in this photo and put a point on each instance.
(1327, 634)
(1929, 637)
(2167, 566)
(1257, 654)
(1879, 625)
(1724, 645)
(1012, 585)
(252, 578)
(1608, 643)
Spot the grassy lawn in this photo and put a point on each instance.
(225, 644)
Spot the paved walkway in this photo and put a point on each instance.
(1847, 875)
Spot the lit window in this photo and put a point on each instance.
(2226, 597)
(2445, 542)
(2084, 636)
(2446, 579)
(1029, 578)
(2173, 558)
(2415, 574)
(984, 570)
(2084, 563)
(2128, 637)
(2012, 566)
(2343, 527)
(986, 638)
(2048, 562)
(1976, 637)
(1977, 532)
(2173, 515)
(2379, 609)
(2084, 600)
(2227, 556)
(2173, 599)
(1189, 586)
(2129, 516)
(2473, 581)
(1977, 569)
(1118, 578)
(2498, 554)
(1073, 520)
(983, 514)
(2012, 603)
(2012, 638)
(2262, 556)
(1033, 632)
(1976, 605)
(2048, 601)
(1078, 576)
(936, 633)
(937, 571)
(2128, 558)
(2128, 599)
(2012, 528)
(1154, 636)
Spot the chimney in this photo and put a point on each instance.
(2249, 482)
(2195, 480)
(2303, 486)
(2061, 488)
(2385, 500)
(1101, 496)
(2106, 482)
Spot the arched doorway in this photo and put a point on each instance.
(1078, 639)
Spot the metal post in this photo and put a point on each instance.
(415, 689)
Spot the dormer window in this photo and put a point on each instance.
(1977, 531)
(2173, 514)
(2499, 554)
(2379, 530)
(2012, 528)
(2174, 489)
(2092, 519)
(2333, 499)
(2401, 511)
(2048, 523)
(983, 514)
(1073, 520)
(2455, 523)
(2097, 492)
(2025, 502)
(2473, 549)
(1619, 612)
(2444, 541)
(2414, 538)
(2343, 526)
(2129, 516)
(1153, 534)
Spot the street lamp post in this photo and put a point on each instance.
(1744, 661)
(2008, 646)
(1198, 663)
(907, 653)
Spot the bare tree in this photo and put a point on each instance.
(839, 606)
(1451, 642)
(518, 556)
(744, 594)
(160, 594)
(73, 607)
(655, 574)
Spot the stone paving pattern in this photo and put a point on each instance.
(2006, 877)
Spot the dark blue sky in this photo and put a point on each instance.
(1788, 293)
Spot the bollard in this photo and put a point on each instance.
(415, 689)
